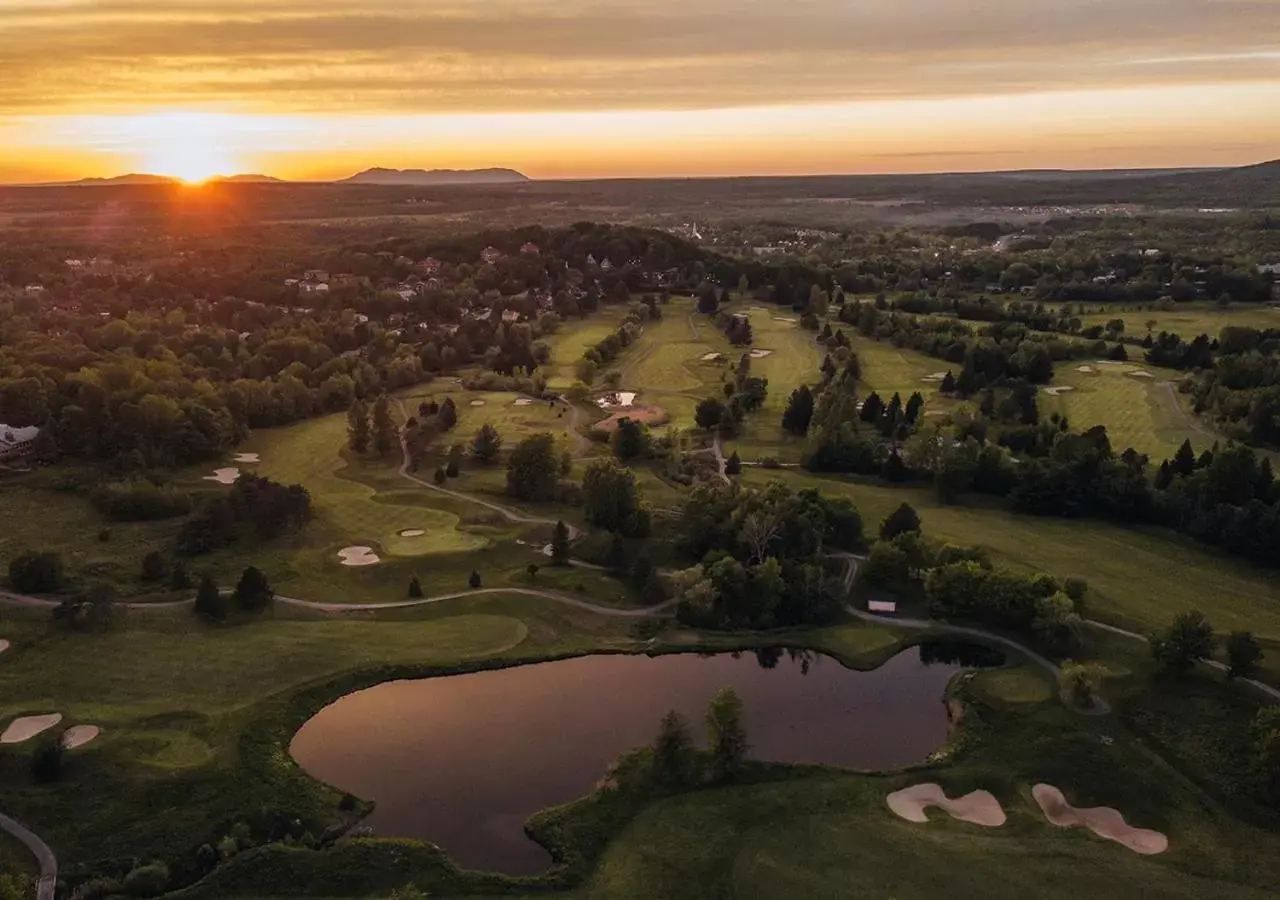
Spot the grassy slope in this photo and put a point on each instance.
(1188, 319)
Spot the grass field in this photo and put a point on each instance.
(499, 409)
(1142, 413)
(1188, 319)
(574, 338)
(887, 370)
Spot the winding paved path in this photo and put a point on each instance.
(40, 850)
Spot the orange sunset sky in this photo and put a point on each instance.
(590, 88)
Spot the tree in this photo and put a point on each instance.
(799, 412)
(901, 521)
(384, 430)
(448, 415)
(948, 383)
(1184, 461)
(872, 408)
(440, 477)
(179, 577)
(358, 431)
(47, 761)
(1079, 683)
(725, 734)
(1188, 640)
(532, 569)
(415, 588)
(710, 413)
(37, 573)
(733, 465)
(252, 592)
(153, 566)
(533, 469)
(674, 758)
(1243, 654)
(210, 603)
(914, 406)
(474, 580)
(630, 439)
(560, 545)
(451, 470)
(611, 499)
(486, 444)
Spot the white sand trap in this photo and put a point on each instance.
(1109, 362)
(246, 458)
(412, 532)
(789, 321)
(761, 354)
(358, 556)
(27, 727)
(936, 376)
(978, 807)
(477, 403)
(548, 550)
(1058, 391)
(223, 476)
(711, 357)
(1138, 373)
(1085, 370)
(1103, 821)
(523, 401)
(4, 645)
(79, 735)
(882, 606)
(618, 400)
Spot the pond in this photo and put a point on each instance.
(464, 760)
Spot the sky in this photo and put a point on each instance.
(313, 89)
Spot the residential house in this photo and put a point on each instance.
(33, 289)
(490, 255)
(607, 265)
(318, 276)
(529, 250)
(403, 261)
(17, 442)
(429, 266)
(1272, 269)
(311, 288)
(346, 279)
(511, 316)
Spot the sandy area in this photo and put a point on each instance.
(1058, 391)
(1103, 821)
(477, 403)
(882, 606)
(761, 354)
(711, 357)
(523, 401)
(649, 415)
(223, 476)
(1085, 370)
(246, 458)
(1138, 373)
(785, 319)
(936, 376)
(4, 645)
(617, 400)
(79, 735)
(1109, 362)
(978, 807)
(358, 556)
(27, 727)
(412, 532)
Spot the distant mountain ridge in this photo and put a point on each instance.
(436, 176)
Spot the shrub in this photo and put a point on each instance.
(37, 572)
(153, 566)
(134, 501)
(147, 881)
(415, 588)
(96, 889)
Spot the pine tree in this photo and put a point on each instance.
(799, 412)
(560, 545)
(1164, 477)
(487, 444)
(902, 520)
(252, 592)
(949, 383)
(210, 603)
(358, 426)
(415, 588)
(1184, 461)
(384, 430)
(872, 408)
(1264, 484)
(914, 405)
(474, 580)
(733, 465)
(440, 477)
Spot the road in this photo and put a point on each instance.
(40, 850)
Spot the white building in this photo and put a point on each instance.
(16, 442)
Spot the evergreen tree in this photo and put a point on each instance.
(630, 440)
(733, 465)
(533, 469)
(415, 588)
(153, 566)
(474, 580)
(384, 430)
(560, 545)
(1184, 461)
(872, 408)
(674, 758)
(799, 412)
(358, 432)
(487, 444)
(902, 520)
(949, 383)
(914, 406)
(1264, 484)
(725, 734)
(1164, 477)
(440, 477)
(1243, 654)
(179, 578)
(451, 470)
(210, 602)
(447, 417)
(252, 591)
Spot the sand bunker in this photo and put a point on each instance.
(1109, 362)
(979, 807)
(1058, 391)
(1103, 821)
(1085, 370)
(785, 319)
(882, 606)
(4, 645)
(522, 401)
(246, 458)
(477, 403)
(358, 556)
(1138, 373)
(223, 476)
(27, 727)
(936, 376)
(79, 735)
(711, 357)
(761, 354)
(412, 532)
(617, 400)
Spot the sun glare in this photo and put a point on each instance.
(187, 146)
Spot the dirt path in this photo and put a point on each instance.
(612, 611)
(721, 462)
(40, 850)
(694, 328)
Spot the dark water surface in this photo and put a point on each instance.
(464, 760)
